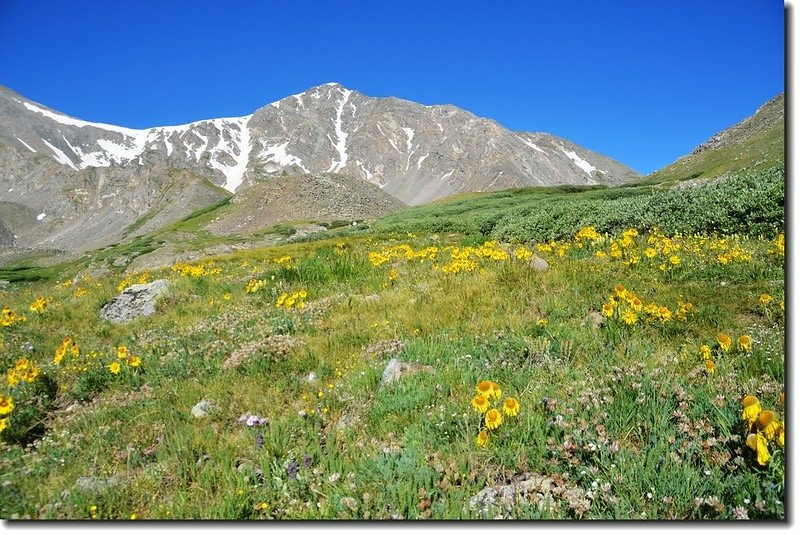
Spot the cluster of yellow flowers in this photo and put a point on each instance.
(285, 261)
(39, 305)
(767, 300)
(724, 344)
(6, 407)
(124, 357)
(197, 271)
(491, 418)
(588, 234)
(67, 345)
(340, 247)
(141, 279)
(522, 253)
(289, 301)
(668, 253)
(8, 317)
(24, 370)
(736, 254)
(255, 285)
(460, 261)
(466, 259)
(762, 426)
(626, 306)
(401, 252)
(777, 245)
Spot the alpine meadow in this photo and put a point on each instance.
(348, 307)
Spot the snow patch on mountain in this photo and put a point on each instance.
(59, 155)
(277, 154)
(67, 120)
(532, 145)
(239, 150)
(28, 146)
(580, 162)
(341, 136)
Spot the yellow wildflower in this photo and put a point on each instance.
(724, 341)
(134, 361)
(511, 407)
(751, 409)
(493, 419)
(3, 424)
(769, 424)
(541, 322)
(758, 443)
(765, 298)
(483, 438)
(608, 310)
(630, 317)
(480, 403)
(705, 351)
(39, 305)
(6, 404)
(484, 388)
(122, 352)
(710, 366)
(114, 367)
(745, 342)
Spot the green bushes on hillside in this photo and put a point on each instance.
(750, 204)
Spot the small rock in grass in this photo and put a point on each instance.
(595, 319)
(538, 264)
(203, 408)
(137, 300)
(97, 484)
(536, 490)
(396, 369)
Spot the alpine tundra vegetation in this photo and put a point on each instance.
(549, 362)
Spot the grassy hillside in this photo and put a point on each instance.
(629, 359)
(755, 144)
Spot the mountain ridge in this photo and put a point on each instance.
(71, 185)
(235, 147)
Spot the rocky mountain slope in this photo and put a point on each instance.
(325, 196)
(755, 143)
(72, 171)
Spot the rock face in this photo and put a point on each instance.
(136, 301)
(320, 197)
(396, 370)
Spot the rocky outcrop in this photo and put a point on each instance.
(134, 302)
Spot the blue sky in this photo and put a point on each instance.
(640, 81)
